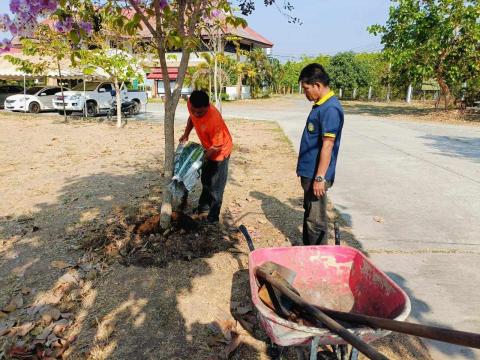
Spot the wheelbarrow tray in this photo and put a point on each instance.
(335, 277)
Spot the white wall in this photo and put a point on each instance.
(232, 92)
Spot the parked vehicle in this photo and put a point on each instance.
(7, 90)
(127, 107)
(36, 99)
(96, 98)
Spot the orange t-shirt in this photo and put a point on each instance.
(212, 131)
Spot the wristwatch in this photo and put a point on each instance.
(319, 178)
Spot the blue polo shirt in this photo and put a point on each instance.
(325, 120)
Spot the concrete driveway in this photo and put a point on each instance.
(411, 193)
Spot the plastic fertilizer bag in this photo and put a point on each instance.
(187, 168)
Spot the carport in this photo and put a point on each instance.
(9, 71)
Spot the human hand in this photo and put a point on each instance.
(183, 138)
(319, 188)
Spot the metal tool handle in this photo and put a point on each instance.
(337, 233)
(245, 233)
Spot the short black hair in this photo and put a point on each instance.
(313, 73)
(199, 98)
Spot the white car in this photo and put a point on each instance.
(36, 99)
(96, 98)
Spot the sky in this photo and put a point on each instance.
(329, 26)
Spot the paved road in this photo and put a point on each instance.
(422, 181)
(411, 192)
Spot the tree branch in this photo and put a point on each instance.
(139, 11)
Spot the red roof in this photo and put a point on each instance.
(156, 74)
(250, 34)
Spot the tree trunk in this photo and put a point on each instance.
(239, 86)
(118, 97)
(445, 91)
(170, 105)
(65, 119)
(389, 88)
(354, 95)
(215, 78)
(409, 94)
(369, 93)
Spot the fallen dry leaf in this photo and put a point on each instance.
(51, 339)
(45, 333)
(22, 330)
(20, 352)
(60, 326)
(60, 264)
(71, 277)
(215, 340)
(26, 291)
(50, 297)
(15, 303)
(49, 314)
(5, 326)
(226, 327)
(232, 345)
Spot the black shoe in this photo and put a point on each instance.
(213, 221)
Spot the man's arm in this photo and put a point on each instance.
(188, 129)
(319, 188)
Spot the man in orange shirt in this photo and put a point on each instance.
(217, 142)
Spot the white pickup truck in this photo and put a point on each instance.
(96, 97)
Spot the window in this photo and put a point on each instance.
(15, 89)
(34, 90)
(107, 87)
(52, 91)
(89, 86)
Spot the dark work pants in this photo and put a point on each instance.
(214, 179)
(315, 220)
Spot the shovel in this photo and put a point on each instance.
(267, 293)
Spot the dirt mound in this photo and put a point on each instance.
(135, 238)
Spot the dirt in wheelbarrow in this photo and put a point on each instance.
(85, 273)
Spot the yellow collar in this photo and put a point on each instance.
(325, 98)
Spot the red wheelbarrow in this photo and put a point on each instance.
(334, 277)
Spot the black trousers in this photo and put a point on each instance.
(214, 179)
(315, 219)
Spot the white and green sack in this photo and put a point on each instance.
(187, 169)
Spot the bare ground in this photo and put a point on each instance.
(73, 197)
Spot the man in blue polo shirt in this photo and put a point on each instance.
(318, 152)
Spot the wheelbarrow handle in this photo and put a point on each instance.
(245, 233)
